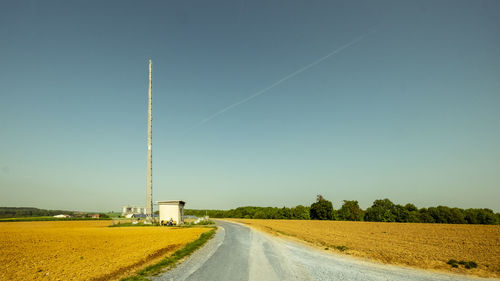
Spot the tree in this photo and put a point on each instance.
(480, 216)
(300, 213)
(381, 210)
(410, 207)
(350, 211)
(103, 216)
(457, 216)
(285, 213)
(414, 216)
(259, 215)
(440, 214)
(401, 213)
(425, 216)
(322, 209)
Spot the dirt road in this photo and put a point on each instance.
(241, 253)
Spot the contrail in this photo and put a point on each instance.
(291, 75)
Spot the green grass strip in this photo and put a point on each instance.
(50, 219)
(172, 260)
(129, 224)
(140, 224)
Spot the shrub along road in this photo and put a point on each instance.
(238, 252)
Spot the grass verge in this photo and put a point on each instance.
(129, 224)
(171, 260)
(50, 219)
(141, 224)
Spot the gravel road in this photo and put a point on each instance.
(238, 252)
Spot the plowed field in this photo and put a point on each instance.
(427, 246)
(84, 250)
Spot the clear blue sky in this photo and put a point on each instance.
(411, 112)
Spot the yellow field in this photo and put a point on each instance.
(427, 246)
(84, 250)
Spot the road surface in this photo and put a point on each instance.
(239, 253)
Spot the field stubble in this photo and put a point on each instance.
(426, 246)
(84, 250)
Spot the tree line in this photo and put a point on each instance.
(14, 212)
(382, 210)
(21, 212)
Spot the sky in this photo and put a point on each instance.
(263, 103)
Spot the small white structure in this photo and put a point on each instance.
(62, 216)
(171, 210)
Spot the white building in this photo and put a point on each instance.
(127, 209)
(171, 210)
(62, 216)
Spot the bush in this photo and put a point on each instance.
(453, 263)
(468, 264)
(341, 248)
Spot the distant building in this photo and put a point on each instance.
(171, 210)
(62, 216)
(127, 210)
(95, 216)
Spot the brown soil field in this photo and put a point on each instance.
(84, 250)
(425, 246)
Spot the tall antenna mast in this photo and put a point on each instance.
(149, 178)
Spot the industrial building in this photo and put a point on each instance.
(129, 210)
